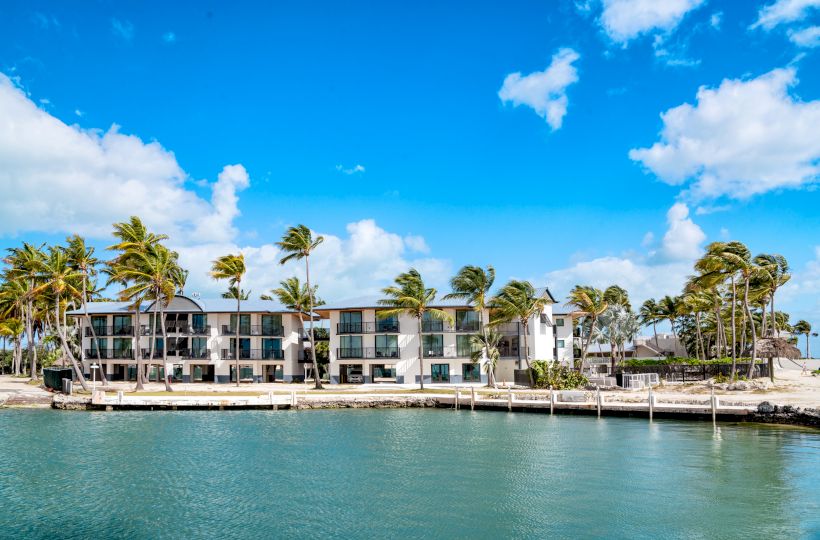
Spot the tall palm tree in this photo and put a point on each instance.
(649, 316)
(13, 301)
(669, 309)
(82, 259)
(294, 295)
(776, 270)
(409, 296)
(232, 268)
(59, 278)
(804, 327)
(472, 284)
(587, 302)
(739, 256)
(12, 329)
(298, 242)
(25, 263)
(518, 300)
(486, 345)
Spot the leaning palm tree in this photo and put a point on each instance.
(472, 284)
(294, 295)
(13, 298)
(775, 269)
(232, 268)
(12, 329)
(409, 296)
(24, 263)
(486, 345)
(517, 300)
(649, 316)
(298, 243)
(804, 327)
(587, 302)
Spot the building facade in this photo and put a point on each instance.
(200, 344)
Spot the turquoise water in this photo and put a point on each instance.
(400, 474)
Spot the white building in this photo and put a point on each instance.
(201, 344)
(367, 348)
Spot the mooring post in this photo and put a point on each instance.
(552, 399)
(293, 398)
(598, 399)
(509, 399)
(270, 398)
(472, 398)
(119, 397)
(458, 394)
(714, 401)
(651, 403)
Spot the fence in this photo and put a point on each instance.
(689, 373)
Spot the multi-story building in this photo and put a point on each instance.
(201, 340)
(365, 347)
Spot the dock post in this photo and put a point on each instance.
(293, 398)
(119, 397)
(714, 401)
(598, 399)
(458, 395)
(472, 398)
(509, 399)
(552, 400)
(651, 403)
(270, 398)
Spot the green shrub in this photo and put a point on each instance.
(638, 362)
(550, 373)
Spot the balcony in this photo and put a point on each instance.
(110, 331)
(253, 354)
(193, 354)
(507, 329)
(368, 352)
(374, 327)
(109, 354)
(444, 352)
(255, 330)
(439, 327)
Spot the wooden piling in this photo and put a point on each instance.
(651, 403)
(509, 399)
(598, 399)
(552, 400)
(472, 398)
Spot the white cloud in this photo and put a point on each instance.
(169, 37)
(122, 29)
(715, 20)
(743, 138)
(544, 91)
(683, 237)
(352, 170)
(624, 20)
(647, 274)
(64, 179)
(783, 12)
(78, 112)
(807, 37)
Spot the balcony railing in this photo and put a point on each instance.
(512, 328)
(194, 354)
(187, 329)
(443, 352)
(373, 327)
(110, 331)
(108, 354)
(255, 330)
(368, 352)
(436, 327)
(253, 354)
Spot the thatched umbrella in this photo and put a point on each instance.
(772, 348)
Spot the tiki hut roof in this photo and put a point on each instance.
(775, 348)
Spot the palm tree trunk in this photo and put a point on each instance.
(153, 344)
(421, 356)
(655, 329)
(136, 348)
(316, 378)
(586, 344)
(490, 374)
(238, 318)
(63, 343)
(734, 328)
(763, 319)
(527, 353)
(701, 351)
(166, 377)
(32, 350)
(751, 370)
(774, 319)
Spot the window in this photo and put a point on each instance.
(387, 324)
(102, 343)
(99, 325)
(559, 322)
(245, 373)
(244, 324)
(350, 347)
(433, 345)
(384, 373)
(199, 321)
(350, 322)
(560, 344)
(466, 320)
(199, 347)
(387, 346)
(271, 349)
(471, 372)
(244, 348)
(122, 325)
(271, 325)
(429, 324)
(463, 347)
(122, 347)
(440, 372)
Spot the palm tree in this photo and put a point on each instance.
(58, 277)
(81, 258)
(649, 316)
(669, 309)
(13, 300)
(232, 268)
(486, 345)
(804, 327)
(518, 300)
(409, 296)
(776, 271)
(235, 293)
(25, 263)
(739, 257)
(12, 329)
(587, 302)
(294, 295)
(472, 284)
(298, 243)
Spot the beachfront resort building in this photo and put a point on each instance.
(365, 347)
(201, 340)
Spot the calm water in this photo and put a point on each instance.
(400, 474)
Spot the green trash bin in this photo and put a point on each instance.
(53, 377)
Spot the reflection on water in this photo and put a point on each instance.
(401, 473)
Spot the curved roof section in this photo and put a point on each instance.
(184, 304)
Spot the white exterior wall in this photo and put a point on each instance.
(216, 343)
(565, 353)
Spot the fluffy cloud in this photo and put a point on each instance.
(352, 170)
(624, 20)
(544, 91)
(650, 273)
(122, 29)
(743, 138)
(64, 179)
(807, 37)
(783, 12)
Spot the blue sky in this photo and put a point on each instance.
(382, 125)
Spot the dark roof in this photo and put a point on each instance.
(187, 305)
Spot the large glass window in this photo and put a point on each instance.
(271, 325)
(199, 321)
(464, 348)
(244, 348)
(103, 347)
(99, 325)
(244, 324)
(350, 346)
(350, 322)
(440, 372)
(429, 324)
(122, 347)
(199, 347)
(245, 373)
(387, 346)
(466, 320)
(271, 349)
(387, 324)
(122, 325)
(433, 345)
(384, 373)
(471, 372)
